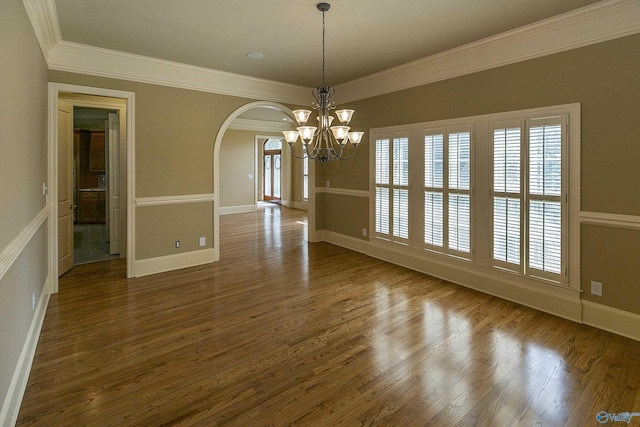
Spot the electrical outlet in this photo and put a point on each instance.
(33, 301)
(364, 232)
(596, 288)
(202, 241)
(177, 244)
(327, 183)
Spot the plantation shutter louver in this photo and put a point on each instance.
(507, 195)
(459, 179)
(401, 187)
(382, 186)
(545, 197)
(392, 189)
(434, 194)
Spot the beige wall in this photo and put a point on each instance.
(23, 169)
(611, 256)
(158, 228)
(175, 131)
(603, 78)
(296, 183)
(23, 121)
(342, 214)
(237, 162)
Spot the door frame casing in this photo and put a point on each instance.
(285, 184)
(113, 155)
(271, 153)
(54, 90)
(66, 148)
(104, 103)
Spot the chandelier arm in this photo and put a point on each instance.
(349, 157)
(352, 154)
(298, 157)
(315, 147)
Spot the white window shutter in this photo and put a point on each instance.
(392, 189)
(528, 221)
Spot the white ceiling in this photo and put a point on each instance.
(362, 36)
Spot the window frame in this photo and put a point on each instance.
(392, 188)
(482, 211)
(525, 197)
(305, 182)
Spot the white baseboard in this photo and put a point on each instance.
(299, 205)
(610, 319)
(145, 267)
(560, 302)
(226, 210)
(358, 245)
(18, 385)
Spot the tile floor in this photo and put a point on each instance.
(90, 243)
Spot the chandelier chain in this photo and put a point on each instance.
(323, 82)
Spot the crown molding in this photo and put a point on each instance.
(259, 125)
(606, 20)
(44, 20)
(597, 23)
(78, 58)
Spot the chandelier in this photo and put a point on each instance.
(323, 143)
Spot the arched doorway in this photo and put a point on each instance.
(216, 172)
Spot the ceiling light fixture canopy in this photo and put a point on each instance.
(324, 143)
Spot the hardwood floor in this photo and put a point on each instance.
(281, 332)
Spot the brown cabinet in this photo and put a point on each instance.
(89, 147)
(96, 152)
(89, 158)
(91, 207)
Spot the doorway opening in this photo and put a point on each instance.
(93, 166)
(256, 117)
(114, 149)
(272, 170)
(95, 153)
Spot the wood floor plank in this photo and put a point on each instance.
(281, 332)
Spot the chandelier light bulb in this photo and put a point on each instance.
(301, 116)
(344, 116)
(340, 132)
(290, 136)
(355, 137)
(325, 121)
(307, 133)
